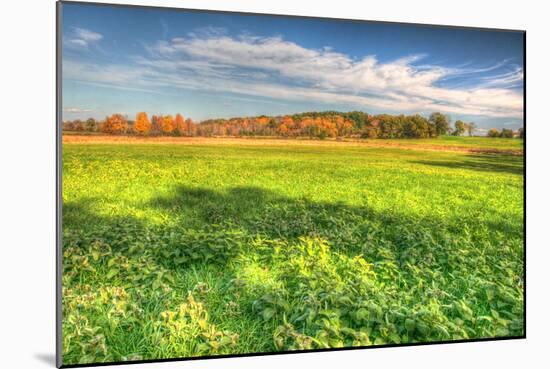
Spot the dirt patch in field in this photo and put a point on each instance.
(255, 141)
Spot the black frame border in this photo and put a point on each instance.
(59, 198)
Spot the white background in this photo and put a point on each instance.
(27, 182)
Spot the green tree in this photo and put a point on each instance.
(470, 128)
(460, 128)
(493, 132)
(359, 118)
(507, 133)
(441, 123)
(91, 125)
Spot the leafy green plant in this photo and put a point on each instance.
(188, 332)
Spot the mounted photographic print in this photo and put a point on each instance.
(238, 184)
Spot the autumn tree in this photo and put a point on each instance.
(167, 125)
(78, 125)
(306, 126)
(263, 120)
(115, 124)
(190, 127)
(371, 129)
(286, 127)
(68, 125)
(142, 126)
(323, 127)
(344, 126)
(180, 125)
(233, 130)
(155, 125)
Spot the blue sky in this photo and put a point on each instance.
(207, 65)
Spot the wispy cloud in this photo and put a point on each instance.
(510, 79)
(82, 38)
(274, 68)
(76, 110)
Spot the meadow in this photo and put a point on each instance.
(232, 246)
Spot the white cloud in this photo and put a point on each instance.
(87, 35)
(76, 110)
(82, 38)
(275, 68)
(509, 79)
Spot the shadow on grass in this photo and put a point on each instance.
(199, 217)
(258, 211)
(490, 163)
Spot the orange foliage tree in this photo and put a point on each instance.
(142, 126)
(234, 130)
(167, 124)
(306, 125)
(323, 127)
(262, 120)
(286, 126)
(343, 126)
(115, 124)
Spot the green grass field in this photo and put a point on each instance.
(187, 250)
(453, 141)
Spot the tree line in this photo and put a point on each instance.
(327, 124)
(506, 133)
